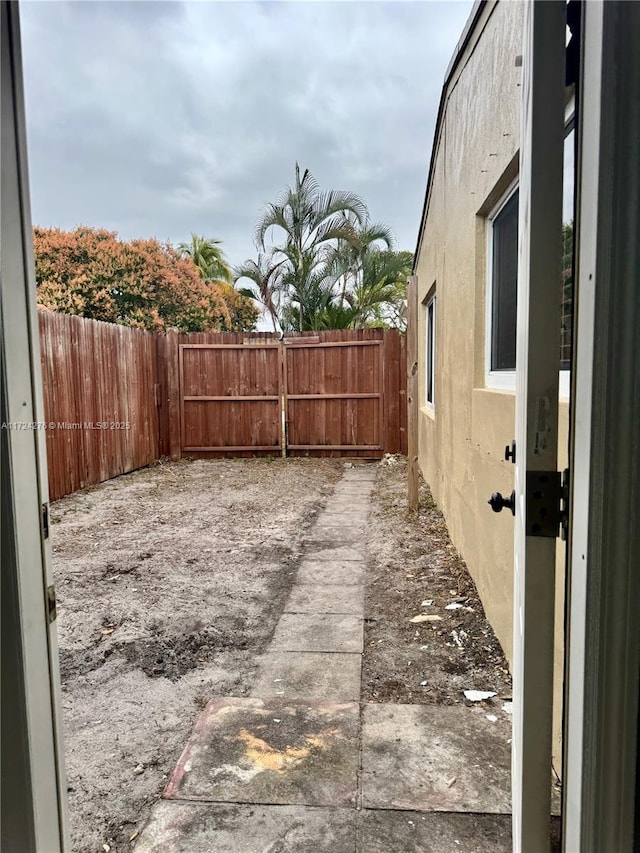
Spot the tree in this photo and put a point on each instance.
(310, 222)
(208, 256)
(243, 312)
(330, 267)
(266, 284)
(213, 267)
(140, 283)
(381, 289)
(372, 276)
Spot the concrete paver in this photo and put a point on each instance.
(325, 598)
(345, 572)
(363, 472)
(435, 758)
(346, 517)
(309, 675)
(181, 827)
(351, 490)
(345, 553)
(383, 831)
(318, 632)
(335, 535)
(265, 751)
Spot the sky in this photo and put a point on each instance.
(158, 119)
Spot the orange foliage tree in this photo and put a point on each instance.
(141, 283)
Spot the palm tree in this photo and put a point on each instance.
(379, 296)
(312, 222)
(348, 257)
(267, 288)
(208, 256)
(333, 267)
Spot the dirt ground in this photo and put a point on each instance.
(414, 570)
(170, 582)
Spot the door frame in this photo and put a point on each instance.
(537, 389)
(34, 807)
(602, 674)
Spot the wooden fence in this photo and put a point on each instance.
(99, 383)
(117, 398)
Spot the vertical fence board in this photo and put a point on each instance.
(173, 393)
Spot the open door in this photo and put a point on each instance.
(33, 786)
(537, 481)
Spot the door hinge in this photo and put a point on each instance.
(547, 502)
(51, 604)
(45, 520)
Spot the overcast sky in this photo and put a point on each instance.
(156, 119)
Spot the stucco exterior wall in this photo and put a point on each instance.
(461, 444)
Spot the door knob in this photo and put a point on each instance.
(498, 503)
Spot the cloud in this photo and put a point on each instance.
(158, 119)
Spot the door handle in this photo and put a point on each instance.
(498, 503)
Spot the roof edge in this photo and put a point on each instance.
(463, 41)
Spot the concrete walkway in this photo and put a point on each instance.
(302, 765)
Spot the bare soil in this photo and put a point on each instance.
(413, 569)
(170, 582)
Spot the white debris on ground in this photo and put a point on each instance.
(479, 695)
(390, 459)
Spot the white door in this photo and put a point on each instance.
(537, 378)
(34, 792)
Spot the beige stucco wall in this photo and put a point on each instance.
(461, 445)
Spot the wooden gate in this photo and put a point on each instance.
(334, 395)
(329, 394)
(231, 397)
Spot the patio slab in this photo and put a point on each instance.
(178, 827)
(362, 490)
(435, 758)
(345, 516)
(318, 632)
(383, 831)
(367, 470)
(309, 675)
(332, 572)
(323, 551)
(270, 751)
(325, 598)
(336, 534)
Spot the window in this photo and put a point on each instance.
(503, 281)
(430, 352)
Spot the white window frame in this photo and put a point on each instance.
(502, 380)
(430, 353)
(505, 380)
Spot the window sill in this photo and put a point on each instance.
(429, 411)
(506, 383)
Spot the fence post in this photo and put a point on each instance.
(412, 392)
(173, 394)
(283, 398)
